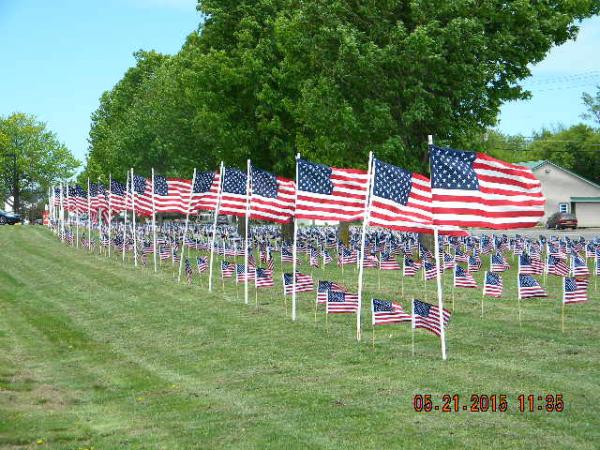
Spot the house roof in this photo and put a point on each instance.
(585, 199)
(535, 164)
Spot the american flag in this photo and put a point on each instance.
(325, 287)
(171, 194)
(575, 290)
(463, 279)
(388, 262)
(498, 263)
(448, 262)
(429, 270)
(461, 256)
(529, 287)
(525, 265)
(579, 266)
(590, 250)
(314, 258)
(339, 302)
(475, 190)
(556, 266)
(188, 270)
(272, 197)
(117, 196)
(326, 257)
(370, 261)
(410, 267)
(385, 312)
(346, 257)
(492, 285)
(141, 195)
(329, 193)
(427, 316)
(205, 192)
(202, 263)
(241, 272)
(474, 264)
(286, 255)
(263, 278)
(233, 193)
(597, 262)
(164, 252)
(227, 269)
(304, 283)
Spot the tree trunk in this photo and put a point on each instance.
(287, 231)
(16, 189)
(427, 241)
(343, 233)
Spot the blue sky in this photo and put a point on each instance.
(58, 57)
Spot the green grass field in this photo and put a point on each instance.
(97, 354)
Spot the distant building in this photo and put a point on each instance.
(567, 192)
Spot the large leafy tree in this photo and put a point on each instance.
(265, 79)
(31, 160)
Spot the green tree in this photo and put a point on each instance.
(592, 103)
(31, 160)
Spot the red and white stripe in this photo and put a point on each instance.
(207, 201)
(346, 203)
(349, 305)
(397, 315)
(279, 209)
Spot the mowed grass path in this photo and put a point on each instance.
(94, 353)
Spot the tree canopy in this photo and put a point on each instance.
(332, 80)
(31, 160)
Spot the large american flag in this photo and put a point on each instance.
(492, 284)
(329, 193)
(386, 312)
(141, 195)
(402, 201)
(272, 198)
(171, 194)
(427, 316)
(475, 190)
(205, 192)
(339, 302)
(233, 192)
(529, 287)
(575, 290)
(117, 196)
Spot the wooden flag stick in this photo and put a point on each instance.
(562, 317)
(373, 337)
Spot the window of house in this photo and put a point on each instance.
(563, 207)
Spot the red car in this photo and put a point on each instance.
(560, 221)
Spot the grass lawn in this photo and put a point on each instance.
(97, 354)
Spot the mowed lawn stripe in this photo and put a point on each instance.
(179, 368)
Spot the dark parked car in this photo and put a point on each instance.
(560, 220)
(9, 218)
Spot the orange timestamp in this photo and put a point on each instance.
(525, 403)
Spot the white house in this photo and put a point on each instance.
(567, 192)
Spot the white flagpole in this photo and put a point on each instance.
(68, 211)
(109, 213)
(154, 224)
(77, 218)
(133, 220)
(89, 205)
(371, 173)
(62, 212)
(127, 194)
(214, 230)
(185, 228)
(439, 279)
(294, 252)
(247, 219)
